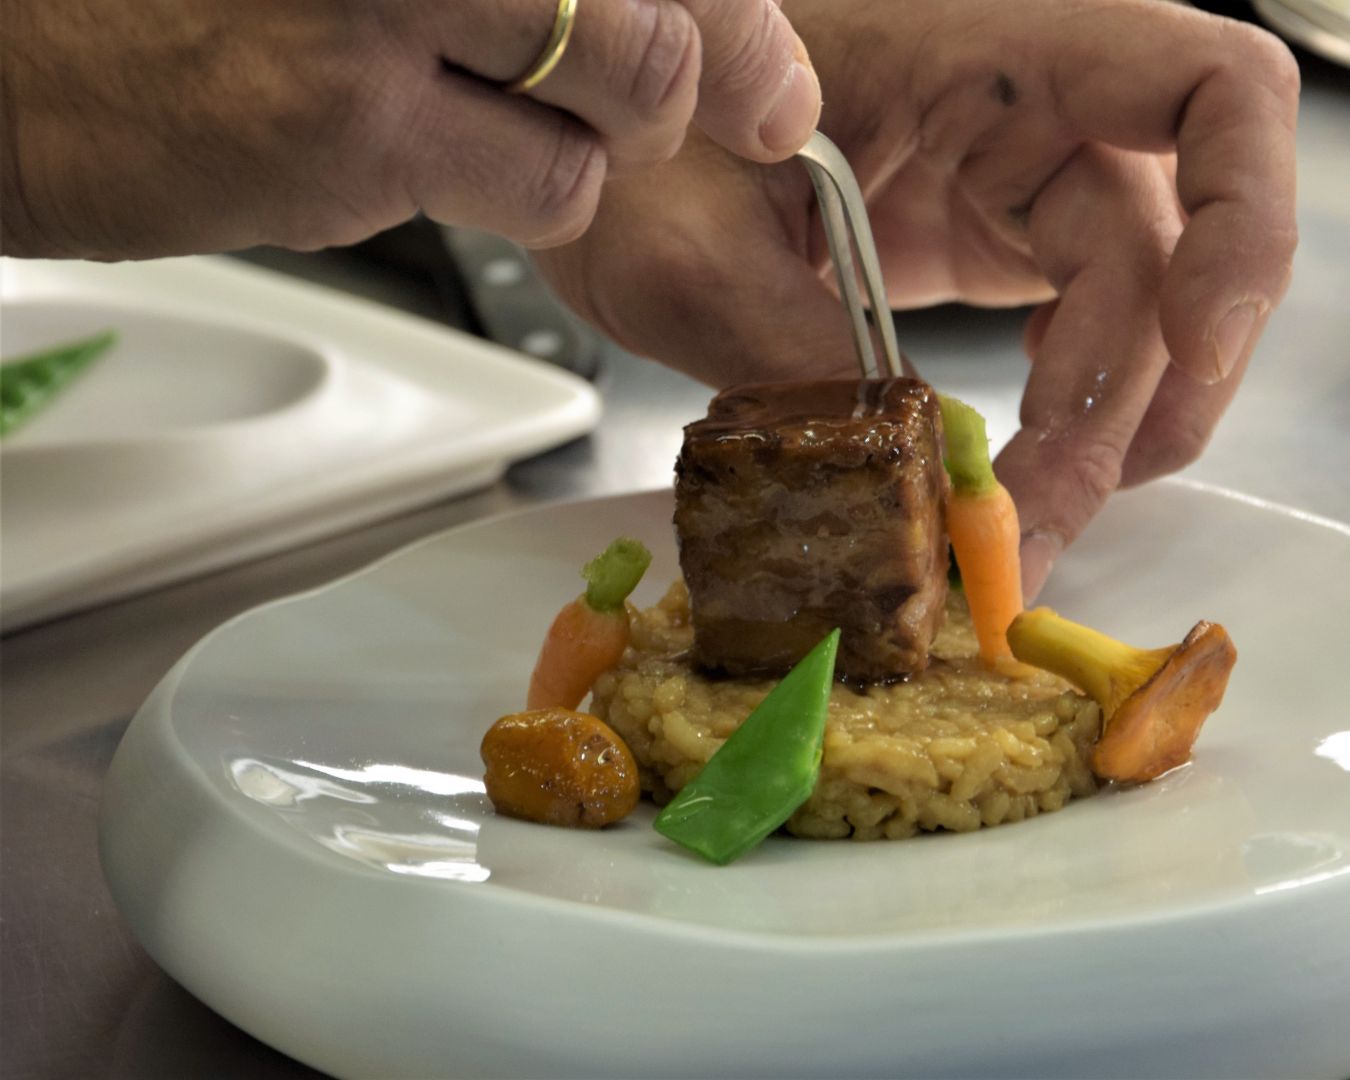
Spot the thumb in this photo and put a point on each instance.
(758, 95)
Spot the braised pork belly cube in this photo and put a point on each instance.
(800, 507)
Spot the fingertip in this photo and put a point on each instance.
(759, 96)
(1231, 265)
(1039, 552)
(1224, 345)
(794, 114)
(1234, 335)
(1058, 485)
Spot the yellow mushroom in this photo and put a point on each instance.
(1153, 701)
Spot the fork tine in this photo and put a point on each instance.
(836, 235)
(847, 229)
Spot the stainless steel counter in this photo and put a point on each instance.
(80, 999)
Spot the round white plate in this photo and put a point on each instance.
(295, 827)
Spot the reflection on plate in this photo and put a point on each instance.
(295, 827)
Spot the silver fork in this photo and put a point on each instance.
(847, 230)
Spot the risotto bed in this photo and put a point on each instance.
(956, 747)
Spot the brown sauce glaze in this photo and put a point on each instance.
(804, 506)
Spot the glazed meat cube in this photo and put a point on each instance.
(800, 507)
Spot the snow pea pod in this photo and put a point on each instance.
(763, 772)
(30, 382)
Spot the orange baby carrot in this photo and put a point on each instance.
(589, 635)
(983, 530)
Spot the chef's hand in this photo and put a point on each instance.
(1125, 164)
(165, 126)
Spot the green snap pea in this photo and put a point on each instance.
(763, 772)
(30, 382)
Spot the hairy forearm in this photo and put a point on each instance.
(19, 234)
(167, 127)
(71, 154)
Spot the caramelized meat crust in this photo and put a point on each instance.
(805, 506)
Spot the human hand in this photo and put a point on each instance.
(172, 126)
(1125, 164)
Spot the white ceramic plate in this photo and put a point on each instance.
(241, 412)
(295, 827)
(1320, 25)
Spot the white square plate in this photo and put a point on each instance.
(240, 412)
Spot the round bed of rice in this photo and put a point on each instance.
(956, 747)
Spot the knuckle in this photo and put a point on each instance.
(1093, 473)
(1182, 445)
(755, 53)
(1281, 236)
(1284, 69)
(377, 116)
(560, 196)
(367, 102)
(664, 63)
(1141, 260)
(1271, 59)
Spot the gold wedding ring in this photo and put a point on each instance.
(548, 59)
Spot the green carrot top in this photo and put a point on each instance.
(967, 448)
(615, 573)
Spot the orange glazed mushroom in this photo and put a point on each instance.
(1153, 701)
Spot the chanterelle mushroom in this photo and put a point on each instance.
(1153, 701)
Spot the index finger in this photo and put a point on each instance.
(1101, 230)
(1225, 96)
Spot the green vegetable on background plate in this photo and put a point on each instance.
(28, 383)
(763, 772)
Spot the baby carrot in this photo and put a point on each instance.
(984, 534)
(589, 635)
